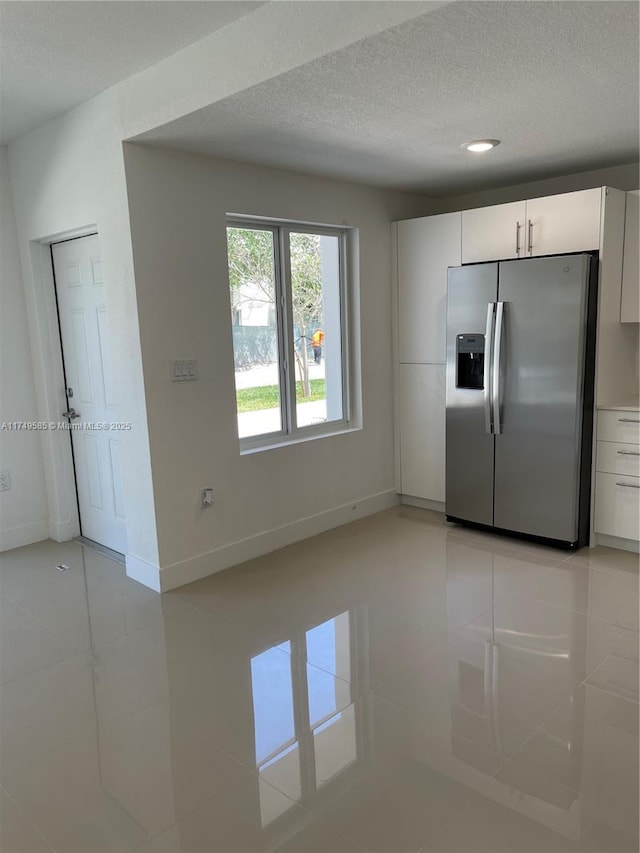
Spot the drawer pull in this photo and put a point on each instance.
(628, 452)
(628, 485)
(628, 421)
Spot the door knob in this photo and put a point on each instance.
(71, 414)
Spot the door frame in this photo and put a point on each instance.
(48, 364)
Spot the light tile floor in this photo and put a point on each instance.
(398, 684)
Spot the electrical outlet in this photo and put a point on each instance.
(206, 498)
(5, 481)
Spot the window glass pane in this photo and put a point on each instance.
(272, 703)
(255, 335)
(315, 294)
(327, 694)
(329, 646)
(277, 751)
(283, 772)
(335, 745)
(328, 667)
(272, 804)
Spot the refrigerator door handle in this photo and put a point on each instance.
(488, 350)
(495, 368)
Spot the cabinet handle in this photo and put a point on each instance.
(530, 235)
(628, 485)
(628, 421)
(518, 227)
(628, 452)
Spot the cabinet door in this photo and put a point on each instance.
(564, 223)
(422, 416)
(630, 309)
(493, 233)
(426, 247)
(617, 506)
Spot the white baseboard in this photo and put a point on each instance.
(24, 534)
(203, 565)
(423, 503)
(616, 542)
(63, 531)
(143, 572)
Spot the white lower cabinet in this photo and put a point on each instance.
(617, 499)
(422, 430)
(618, 506)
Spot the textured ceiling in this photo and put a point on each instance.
(56, 54)
(557, 82)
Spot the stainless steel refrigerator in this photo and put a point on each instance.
(519, 419)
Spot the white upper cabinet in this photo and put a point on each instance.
(553, 225)
(426, 247)
(630, 308)
(564, 223)
(493, 233)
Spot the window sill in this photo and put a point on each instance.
(280, 441)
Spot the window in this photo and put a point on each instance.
(305, 717)
(288, 313)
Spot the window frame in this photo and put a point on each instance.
(281, 229)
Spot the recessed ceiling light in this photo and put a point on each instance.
(480, 145)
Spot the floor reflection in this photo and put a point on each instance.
(397, 684)
(305, 720)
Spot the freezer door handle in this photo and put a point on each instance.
(488, 350)
(495, 368)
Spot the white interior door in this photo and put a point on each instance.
(87, 360)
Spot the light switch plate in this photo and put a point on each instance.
(184, 370)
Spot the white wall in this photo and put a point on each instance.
(177, 206)
(620, 177)
(24, 512)
(67, 175)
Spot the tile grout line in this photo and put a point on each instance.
(27, 819)
(585, 682)
(497, 770)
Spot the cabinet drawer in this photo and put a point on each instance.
(618, 425)
(618, 506)
(615, 458)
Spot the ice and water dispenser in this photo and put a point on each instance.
(470, 361)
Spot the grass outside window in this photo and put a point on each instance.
(268, 397)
